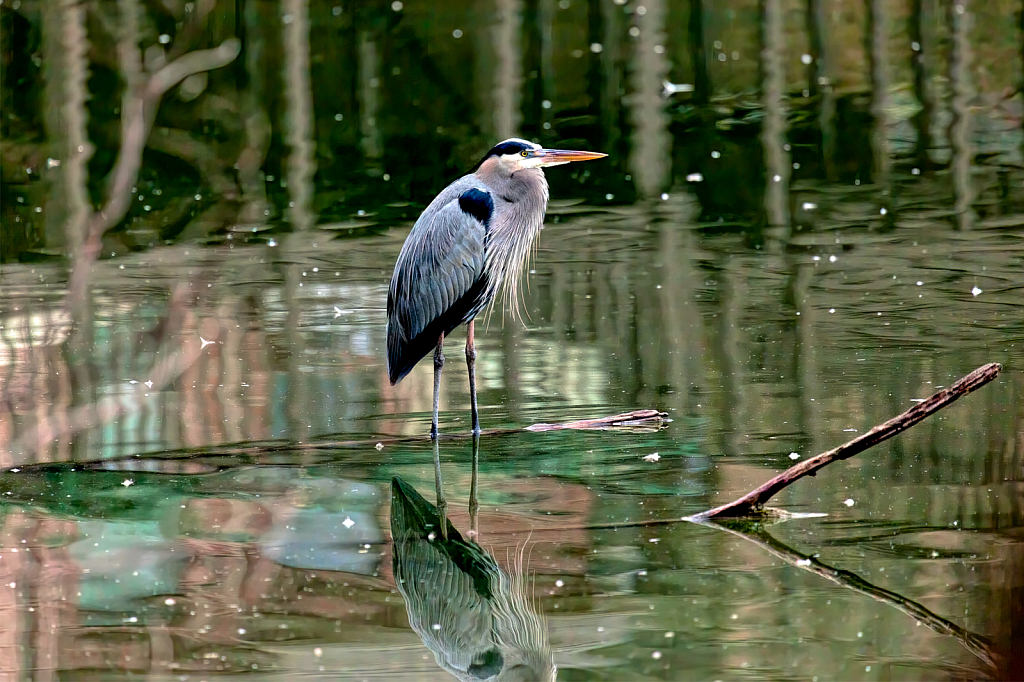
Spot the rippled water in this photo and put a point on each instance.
(200, 459)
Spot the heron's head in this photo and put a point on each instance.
(515, 155)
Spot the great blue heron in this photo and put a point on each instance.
(472, 239)
(475, 617)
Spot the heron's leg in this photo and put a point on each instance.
(438, 364)
(442, 504)
(471, 364)
(474, 506)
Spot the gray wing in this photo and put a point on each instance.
(439, 280)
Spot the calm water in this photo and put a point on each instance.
(804, 226)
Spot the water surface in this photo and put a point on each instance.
(779, 253)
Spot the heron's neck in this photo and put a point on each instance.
(524, 198)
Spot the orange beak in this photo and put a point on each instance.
(556, 157)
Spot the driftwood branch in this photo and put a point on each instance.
(637, 419)
(752, 504)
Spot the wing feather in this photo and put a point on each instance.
(439, 280)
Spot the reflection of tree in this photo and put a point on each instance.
(755, 532)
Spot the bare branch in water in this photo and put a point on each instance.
(752, 504)
(138, 110)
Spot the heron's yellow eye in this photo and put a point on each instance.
(524, 153)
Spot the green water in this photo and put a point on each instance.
(198, 459)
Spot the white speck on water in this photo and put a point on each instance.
(716, 155)
(653, 457)
(694, 177)
(655, 655)
(809, 206)
(832, 259)
(164, 39)
(806, 58)
(396, 6)
(379, 446)
(149, 384)
(436, 626)
(920, 283)
(794, 455)
(849, 502)
(241, 631)
(669, 634)
(318, 652)
(337, 312)
(559, 583)
(831, 310)
(915, 46)
(336, 10)
(915, 171)
(882, 211)
(205, 343)
(609, 197)
(803, 562)
(170, 601)
(975, 291)
(127, 482)
(272, 243)
(348, 522)
(860, 634)
(546, 104)
(596, 48)
(457, 33)
(776, 178)
(287, 18)
(339, 117)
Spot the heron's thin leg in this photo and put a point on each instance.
(438, 364)
(442, 504)
(471, 364)
(474, 506)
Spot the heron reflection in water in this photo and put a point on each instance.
(472, 240)
(476, 618)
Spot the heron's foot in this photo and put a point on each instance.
(476, 430)
(433, 433)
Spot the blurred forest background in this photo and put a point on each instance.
(252, 115)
